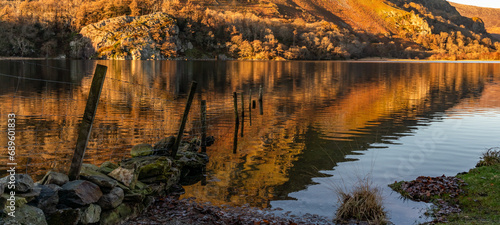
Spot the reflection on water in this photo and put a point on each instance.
(324, 123)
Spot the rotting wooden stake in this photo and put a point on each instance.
(203, 126)
(236, 124)
(87, 121)
(261, 105)
(242, 114)
(184, 119)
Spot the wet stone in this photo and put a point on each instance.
(79, 193)
(112, 199)
(55, 178)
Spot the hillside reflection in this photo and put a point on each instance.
(315, 114)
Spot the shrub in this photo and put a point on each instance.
(490, 157)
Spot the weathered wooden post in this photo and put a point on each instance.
(250, 106)
(242, 114)
(236, 124)
(203, 126)
(261, 106)
(184, 119)
(87, 121)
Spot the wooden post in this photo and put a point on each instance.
(250, 106)
(184, 119)
(254, 104)
(87, 121)
(236, 124)
(261, 106)
(242, 114)
(203, 126)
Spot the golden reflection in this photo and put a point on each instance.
(141, 102)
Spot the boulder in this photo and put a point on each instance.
(149, 166)
(79, 193)
(123, 212)
(35, 191)
(107, 167)
(90, 214)
(66, 216)
(126, 176)
(25, 215)
(164, 146)
(104, 182)
(23, 182)
(141, 150)
(55, 178)
(2, 187)
(4, 203)
(112, 199)
(191, 159)
(48, 198)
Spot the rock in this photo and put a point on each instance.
(48, 198)
(6, 205)
(90, 167)
(105, 183)
(35, 191)
(67, 216)
(149, 166)
(107, 167)
(112, 199)
(126, 176)
(2, 187)
(164, 146)
(55, 178)
(23, 182)
(141, 150)
(25, 215)
(191, 159)
(79, 193)
(131, 37)
(134, 197)
(123, 212)
(90, 214)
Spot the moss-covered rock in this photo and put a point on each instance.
(24, 215)
(141, 150)
(107, 167)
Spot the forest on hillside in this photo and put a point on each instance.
(52, 28)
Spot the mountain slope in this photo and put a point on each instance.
(244, 29)
(490, 16)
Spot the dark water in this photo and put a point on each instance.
(325, 125)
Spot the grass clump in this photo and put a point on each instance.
(490, 157)
(363, 203)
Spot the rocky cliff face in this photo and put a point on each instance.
(153, 36)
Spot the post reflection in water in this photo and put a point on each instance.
(315, 115)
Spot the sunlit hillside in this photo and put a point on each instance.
(490, 16)
(223, 29)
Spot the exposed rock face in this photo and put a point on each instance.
(79, 193)
(152, 36)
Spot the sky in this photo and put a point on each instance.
(481, 3)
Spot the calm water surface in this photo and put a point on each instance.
(325, 125)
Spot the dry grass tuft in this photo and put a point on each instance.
(490, 157)
(363, 203)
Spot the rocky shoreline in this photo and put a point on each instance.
(109, 194)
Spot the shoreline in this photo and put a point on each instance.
(368, 59)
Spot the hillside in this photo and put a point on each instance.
(245, 29)
(490, 16)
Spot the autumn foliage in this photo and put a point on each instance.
(418, 30)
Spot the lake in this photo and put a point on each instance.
(324, 125)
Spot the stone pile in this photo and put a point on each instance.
(108, 194)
